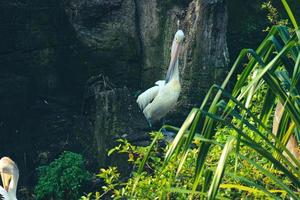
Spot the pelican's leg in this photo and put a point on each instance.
(149, 123)
(163, 121)
(168, 135)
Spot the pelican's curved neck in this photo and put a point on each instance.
(12, 191)
(175, 75)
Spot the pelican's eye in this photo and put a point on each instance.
(6, 170)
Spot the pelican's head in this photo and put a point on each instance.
(179, 36)
(8, 170)
(177, 41)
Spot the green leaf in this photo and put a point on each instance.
(213, 190)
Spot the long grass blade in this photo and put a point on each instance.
(175, 144)
(213, 190)
(290, 14)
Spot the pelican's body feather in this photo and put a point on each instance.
(164, 101)
(3, 194)
(146, 97)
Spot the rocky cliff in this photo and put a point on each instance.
(42, 78)
(51, 48)
(130, 42)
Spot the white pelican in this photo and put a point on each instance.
(10, 176)
(157, 101)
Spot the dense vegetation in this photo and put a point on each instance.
(228, 147)
(63, 178)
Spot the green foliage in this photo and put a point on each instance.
(159, 182)
(62, 179)
(273, 15)
(275, 66)
(153, 183)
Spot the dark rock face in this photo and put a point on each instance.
(49, 49)
(203, 61)
(206, 57)
(108, 30)
(13, 104)
(41, 82)
(52, 47)
(151, 38)
(113, 114)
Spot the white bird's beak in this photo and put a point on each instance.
(174, 57)
(6, 178)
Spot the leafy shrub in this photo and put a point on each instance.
(158, 181)
(63, 178)
(154, 182)
(273, 14)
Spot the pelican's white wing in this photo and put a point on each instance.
(160, 83)
(146, 97)
(3, 194)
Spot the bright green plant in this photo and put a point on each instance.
(273, 15)
(275, 65)
(153, 183)
(62, 179)
(159, 182)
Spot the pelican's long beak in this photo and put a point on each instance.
(174, 57)
(6, 178)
